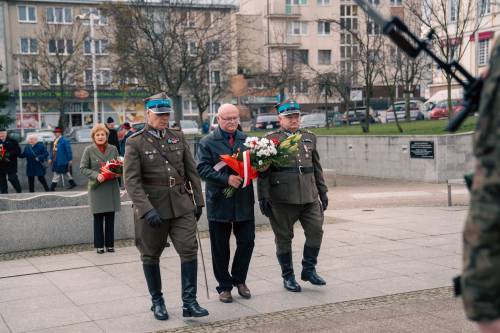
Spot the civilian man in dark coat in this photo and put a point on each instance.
(9, 151)
(227, 214)
(113, 134)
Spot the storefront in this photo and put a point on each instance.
(41, 108)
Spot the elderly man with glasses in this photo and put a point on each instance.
(160, 176)
(225, 215)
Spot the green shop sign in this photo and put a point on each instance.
(77, 94)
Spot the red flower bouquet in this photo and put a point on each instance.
(110, 170)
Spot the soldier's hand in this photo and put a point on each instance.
(153, 218)
(234, 181)
(198, 212)
(323, 197)
(265, 207)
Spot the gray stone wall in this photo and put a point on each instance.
(389, 156)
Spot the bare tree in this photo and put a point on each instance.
(55, 59)
(452, 21)
(391, 73)
(166, 44)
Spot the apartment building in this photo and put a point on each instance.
(473, 55)
(314, 33)
(25, 33)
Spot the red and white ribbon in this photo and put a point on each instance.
(246, 168)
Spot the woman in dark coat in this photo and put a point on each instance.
(36, 155)
(104, 196)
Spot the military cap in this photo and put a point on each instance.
(159, 103)
(288, 106)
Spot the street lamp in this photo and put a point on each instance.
(91, 17)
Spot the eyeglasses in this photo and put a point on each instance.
(233, 119)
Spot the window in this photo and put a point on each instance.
(484, 7)
(323, 28)
(346, 67)
(298, 87)
(59, 15)
(213, 47)
(216, 78)
(54, 78)
(189, 107)
(26, 14)
(297, 28)
(484, 51)
(453, 52)
(29, 46)
(348, 46)
(297, 57)
(61, 46)
(192, 49)
(324, 57)
(102, 76)
(453, 10)
(188, 19)
(374, 2)
(296, 2)
(102, 19)
(29, 78)
(372, 28)
(101, 47)
(348, 17)
(396, 2)
(323, 2)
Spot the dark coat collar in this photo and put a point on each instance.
(218, 135)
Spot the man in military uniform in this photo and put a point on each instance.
(288, 194)
(480, 283)
(160, 173)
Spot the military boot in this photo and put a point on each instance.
(153, 279)
(190, 307)
(72, 184)
(309, 262)
(286, 264)
(53, 187)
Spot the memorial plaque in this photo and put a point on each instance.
(422, 149)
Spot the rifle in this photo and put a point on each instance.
(407, 41)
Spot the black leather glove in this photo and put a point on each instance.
(198, 212)
(153, 218)
(323, 197)
(265, 207)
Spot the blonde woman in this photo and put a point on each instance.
(104, 199)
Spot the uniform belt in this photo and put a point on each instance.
(169, 182)
(299, 169)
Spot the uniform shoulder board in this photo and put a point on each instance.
(272, 132)
(177, 129)
(306, 131)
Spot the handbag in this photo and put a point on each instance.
(43, 163)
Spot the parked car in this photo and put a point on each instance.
(43, 136)
(266, 121)
(440, 111)
(83, 135)
(314, 120)
(416, 111)
(70, 133)
(190, 127)
(352, 117)
(214, 124)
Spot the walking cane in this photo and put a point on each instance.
(190, 190)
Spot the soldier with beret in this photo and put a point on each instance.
(294, 193)
(160, 174)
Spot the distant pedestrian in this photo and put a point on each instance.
(128, 133)
(36, 158)
(61, 159)
(113, 134)
(9, 151)
(104, 197)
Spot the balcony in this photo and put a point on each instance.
(287, 42)
(280, 10)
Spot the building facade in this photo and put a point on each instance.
(38, 35)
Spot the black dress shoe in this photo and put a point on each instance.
(194, 310)
(100, 250)
(159, 310)
(110, 249)
(312, 277)
(291, 285)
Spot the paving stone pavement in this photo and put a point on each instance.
(366, 255)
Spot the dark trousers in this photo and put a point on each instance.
(12, 177)
(220, 232)
(41, 179)
(104, 235)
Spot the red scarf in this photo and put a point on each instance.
(102, 148)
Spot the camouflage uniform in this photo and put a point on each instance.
(480, 281)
